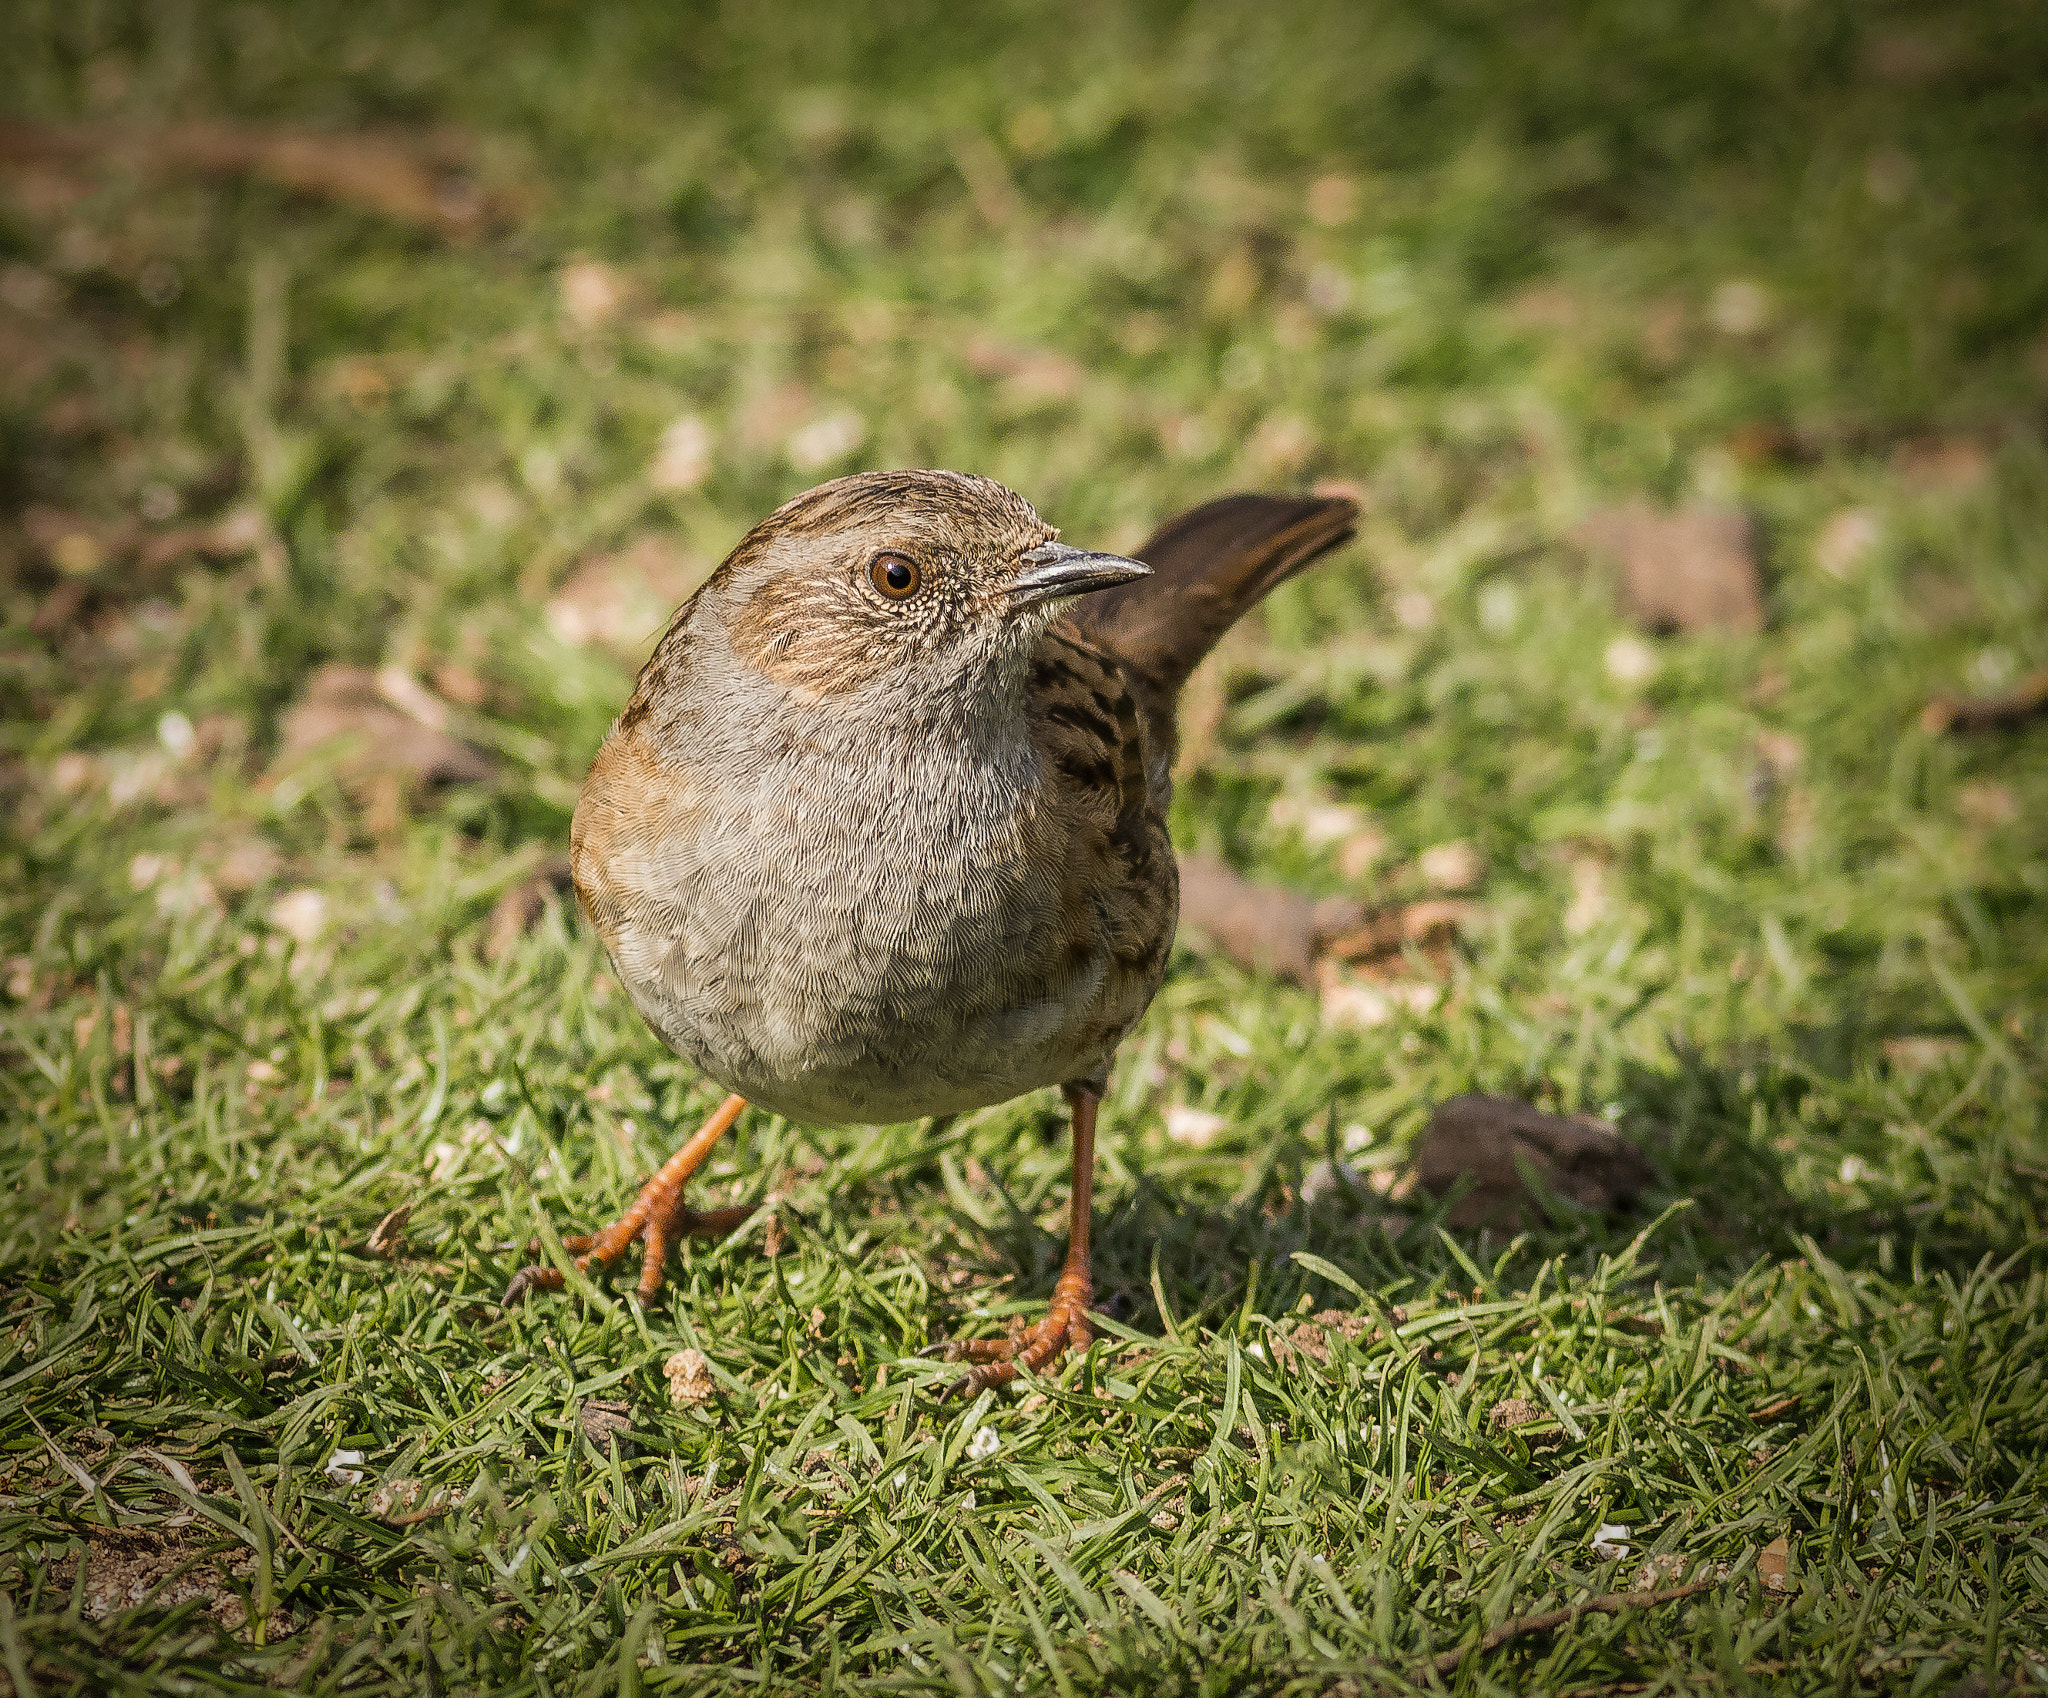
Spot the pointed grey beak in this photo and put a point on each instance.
(1052, 570)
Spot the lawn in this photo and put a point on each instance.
(394, 370)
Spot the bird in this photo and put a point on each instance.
(881, 833)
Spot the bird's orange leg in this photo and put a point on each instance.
(658, 1217)
(1066, 1323)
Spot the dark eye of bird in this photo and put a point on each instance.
(895, 577)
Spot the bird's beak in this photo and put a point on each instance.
(1053, 570)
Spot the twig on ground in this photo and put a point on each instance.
(1607, 1603)
(1988, 713)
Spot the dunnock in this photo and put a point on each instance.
(882, 832)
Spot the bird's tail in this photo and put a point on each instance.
(1210, 566)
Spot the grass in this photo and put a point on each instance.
(1494, 266)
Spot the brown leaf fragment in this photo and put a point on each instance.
(1374, 1002)
(1987, 806)
(1988, 713)
(603, 1420)
(1030, 376)
(688, 1373)
(1920, 1054)
(100, 562)
(389, 1233)
(418, 180)
(1665, 1569)
(623, 600)
(246, 864)
(1485, 1139)
(1685, 571)
(1272, 929)
(1451, 866)
(1941, 462)
(1516, 1412)
(1773, 1564)
(1262, 926)
(1431, 927)
(513, 914)
(1769, 442)
(1776, 1407)
(377, 735)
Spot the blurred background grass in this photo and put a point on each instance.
(461, 344)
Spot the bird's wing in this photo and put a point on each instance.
(1123, 888)
(1209, 566)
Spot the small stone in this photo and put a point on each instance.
(300, 914)
(1846, 540)
(688, 1373)
(1451, 866)
(1195, 1127)
(683, 459)
(1630, 660)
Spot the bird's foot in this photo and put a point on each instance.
(658, 1231)
(1034, 1349)
(658, 1218)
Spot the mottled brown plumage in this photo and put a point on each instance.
(882, 834)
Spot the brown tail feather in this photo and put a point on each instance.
(1209, 567)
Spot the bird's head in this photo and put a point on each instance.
(926, 579)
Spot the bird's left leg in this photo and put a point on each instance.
(658, 1217)
(1066, 1324)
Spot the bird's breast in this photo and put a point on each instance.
(866, 929)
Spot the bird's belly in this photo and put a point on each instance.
(921, 973)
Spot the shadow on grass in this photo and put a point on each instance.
(1889, 1171)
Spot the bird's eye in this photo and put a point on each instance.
(895, 577)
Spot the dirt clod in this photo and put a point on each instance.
(688, 1373)
(1685, 571)
(1487, 1140)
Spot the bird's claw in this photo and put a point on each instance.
(1029, 1351)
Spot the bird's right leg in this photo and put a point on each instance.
(1066, 1325)
(658, 1217)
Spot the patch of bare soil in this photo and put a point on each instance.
(162, 1567)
